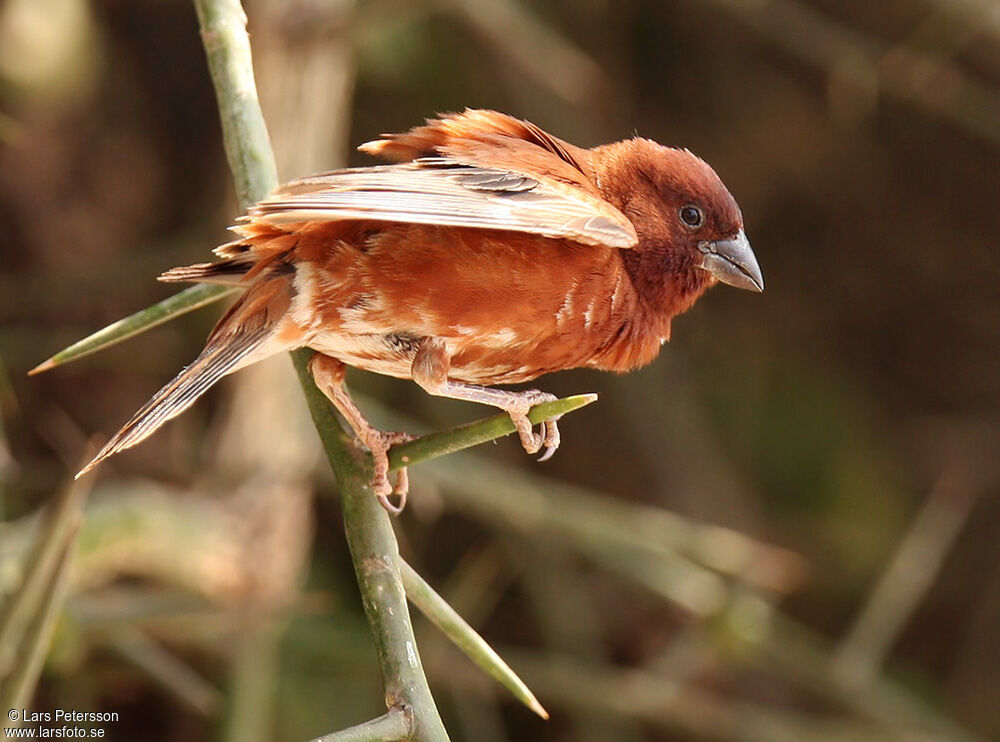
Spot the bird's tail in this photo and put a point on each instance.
(261, 248)
(231, 272)
(244, 335)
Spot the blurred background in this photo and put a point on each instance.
(784, 529)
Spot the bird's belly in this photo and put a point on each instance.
(473, 362)
(381, 354)
(488, 363)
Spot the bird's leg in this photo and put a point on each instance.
(328, 373)
(430, 370)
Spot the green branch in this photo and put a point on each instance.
(248, 147)
(369, 532)
(433, 445)
(393, 726)
(467, 639)
(376, 563)
(180, 303)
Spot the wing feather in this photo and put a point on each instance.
(442, 191)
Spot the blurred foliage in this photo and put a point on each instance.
(851, 414)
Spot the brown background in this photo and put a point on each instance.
(851, 407)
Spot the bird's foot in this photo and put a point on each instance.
(548, 431)
(328, 373)
(379, 442)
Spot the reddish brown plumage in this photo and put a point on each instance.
(491, 252)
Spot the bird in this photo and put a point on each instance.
(483, 251)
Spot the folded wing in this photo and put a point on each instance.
(439, 190)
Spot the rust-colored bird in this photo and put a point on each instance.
(490, 253)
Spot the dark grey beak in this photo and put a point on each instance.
(733, 262)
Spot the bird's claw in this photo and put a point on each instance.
(379, 444)
(551, 448)
(548, 430)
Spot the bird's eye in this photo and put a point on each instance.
(692, 216)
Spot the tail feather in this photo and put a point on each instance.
(228, 272)
(261, 247)
(216, 360)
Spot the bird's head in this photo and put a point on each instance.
(689, 226)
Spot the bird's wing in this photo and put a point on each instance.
(441, 190)
(487, 139)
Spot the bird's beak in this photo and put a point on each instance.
(733, 262)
